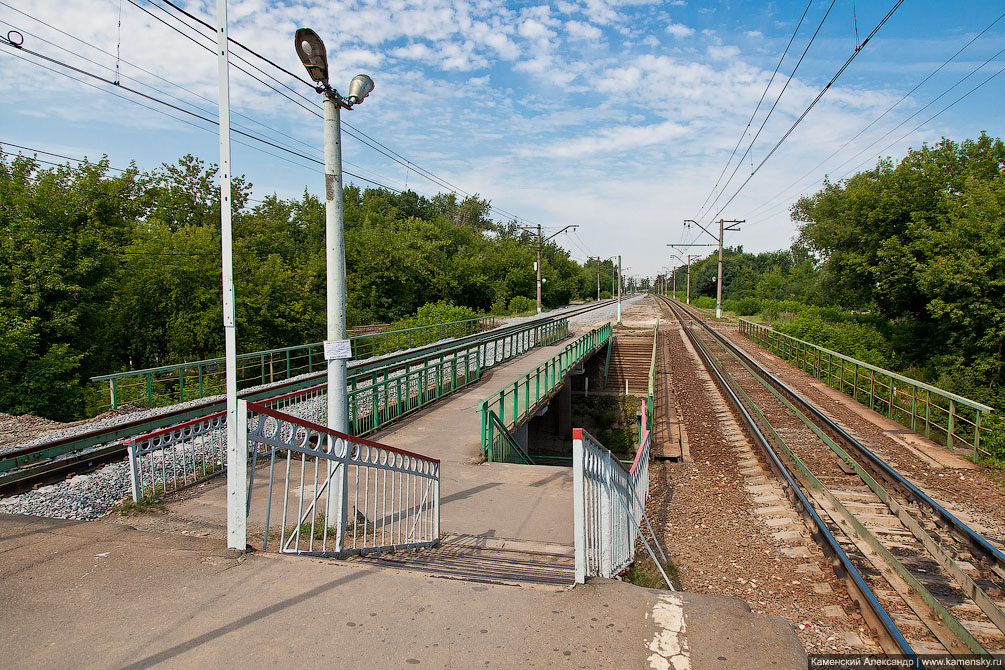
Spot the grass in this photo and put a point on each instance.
(643, 572)
(151, 498)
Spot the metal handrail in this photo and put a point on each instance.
(295, 360)
(811, 358)
(509, 441)
(179, 455)
(651, 398)
(609, 504)
(515, 401)
(352, 495)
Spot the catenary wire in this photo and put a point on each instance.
(774, 105)
(757, 107)
(770, 201)
(812, 104)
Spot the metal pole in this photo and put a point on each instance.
(237, 473)
(598, 277)
(619, 289)
(718, 288)
(338, 417)
(689, 279)
(539, 268)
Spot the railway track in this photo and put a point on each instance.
(24, 468)
(925, 581)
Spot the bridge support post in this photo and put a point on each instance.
(564, 410)
(522, 435)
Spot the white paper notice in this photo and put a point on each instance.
(337, 349)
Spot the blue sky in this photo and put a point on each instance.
(616, 115)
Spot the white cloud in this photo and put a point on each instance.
(583, 31)
(614, 141)
(680, 30)
(722, 52)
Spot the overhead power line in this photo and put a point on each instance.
(813, 104)
(348, 128)
(757, 107)
(889, 109)
(774, 105)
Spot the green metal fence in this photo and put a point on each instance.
(172, 384)
(942, 416)
(507, 408)
(378, 397)
(651, 399)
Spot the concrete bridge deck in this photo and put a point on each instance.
(160, 590)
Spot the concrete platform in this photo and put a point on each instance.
(105, 595)
(160, 590)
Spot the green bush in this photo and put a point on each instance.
(433, 313)
(499, 306)
(519, 304)
(703, 301)
(858, 340)
(993, 441)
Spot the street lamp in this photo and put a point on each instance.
(337, 349)
(314, 56)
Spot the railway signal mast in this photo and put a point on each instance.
(723, 227)
(538, 265)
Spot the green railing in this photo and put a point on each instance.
(651, 399)
(172, 384)
(381, 402)
(507, 408)
(942, 416)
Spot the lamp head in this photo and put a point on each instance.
(359, 88)
(312, 53)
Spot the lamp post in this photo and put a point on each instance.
(314, 56)
(312, 53)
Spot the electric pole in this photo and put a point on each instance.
(619, 290)
(733, 225)
(539, 241)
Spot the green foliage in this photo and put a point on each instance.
(433, 313)
(993, 439)
(858, 340)
(499, 307)
(520, 304)
(104, 273)
(920, 243)
(643, 572)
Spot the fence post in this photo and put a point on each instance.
(606, 518)
(977, 437)
(134, 469)
(952, 423)
(889, 411)
(579, 503)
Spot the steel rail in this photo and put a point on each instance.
(930, 611)
(950, 632)
(22, 468)
(892, 640)
(966, 534)
(978, 546)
